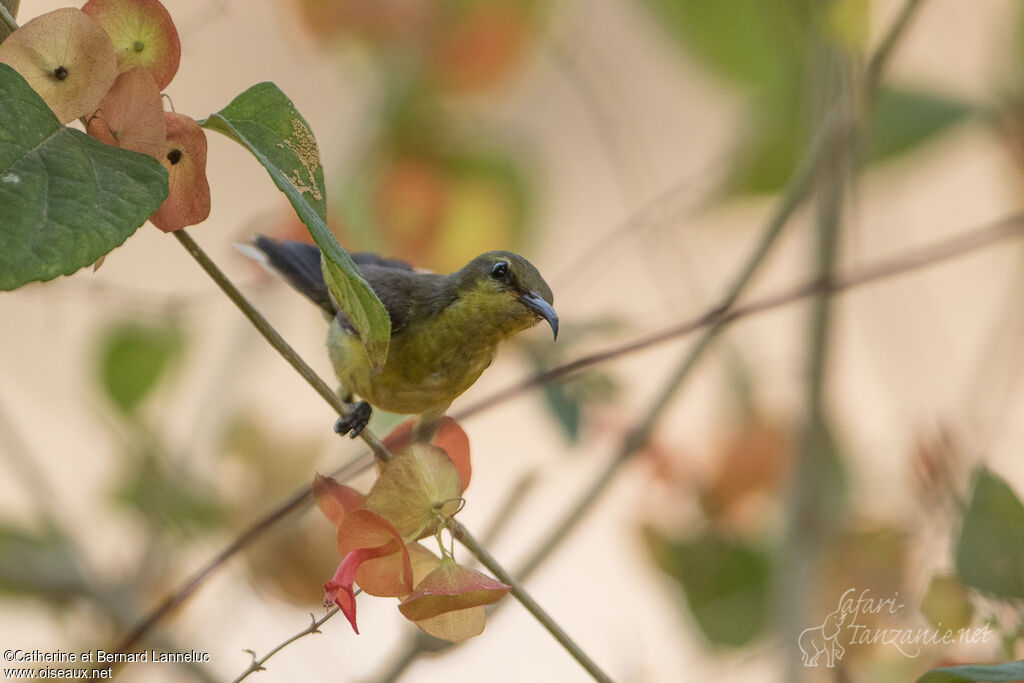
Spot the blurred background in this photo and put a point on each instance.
(634, 151)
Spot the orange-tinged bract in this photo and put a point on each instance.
(143, 35)
(481, 45)
(448, 436)
(448, 588)
(417, 489)
(66, 57)
(409, 205)
(371, 19)
(188, 198)
(131, 115)
(336, 500)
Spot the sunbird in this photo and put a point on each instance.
(445, 329)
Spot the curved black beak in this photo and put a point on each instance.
(538, 305)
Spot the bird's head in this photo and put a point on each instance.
(508, 289)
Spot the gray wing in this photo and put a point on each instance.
(406, 293)
(393, 281)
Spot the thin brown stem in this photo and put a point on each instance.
(8, 18)
(966, 243)
(257, 663)
(836, 132)
(274, 338)
(713, 319)
(297, 500)
(463, 536)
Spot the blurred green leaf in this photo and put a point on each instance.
(752, 42)
(263, 120)
(565, 408)
(256, 443)
(946, 603)
(849, 21)
(905, 119)
(990, 551)
(568, 399)
(41, 565)
(771, 146)
(65, 198)
(169, 498)
(132, 359)
(488, 203)
(969, 673)
(725, 582)
(764, 45)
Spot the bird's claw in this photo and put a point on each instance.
(357, 419)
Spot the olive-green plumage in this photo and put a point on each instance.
(445, 329)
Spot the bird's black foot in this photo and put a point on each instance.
(357, 419)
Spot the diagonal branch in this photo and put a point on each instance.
(257, 663)
(296, 502)
(463, 536)
(274, 338)
(835, 133)
(966, 243)
(8, 19)
(278, 342)
(714, 320)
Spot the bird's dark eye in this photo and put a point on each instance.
(499, 271)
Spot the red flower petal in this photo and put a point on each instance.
(384, 568)
(338, 589)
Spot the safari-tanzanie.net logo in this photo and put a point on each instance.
(825, 644)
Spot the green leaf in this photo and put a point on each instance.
(265, 121)
(990, 551)
(66, 199)
(969, 673)
(904, 119)
(771, 146)
(168, 497)
(132, 359)
(752, 42)
(42, 565)
(849, 21)
(946, 603)
(725, 583)
(566, 409)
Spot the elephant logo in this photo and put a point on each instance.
(823, 640)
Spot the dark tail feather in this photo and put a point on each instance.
(299, 264)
